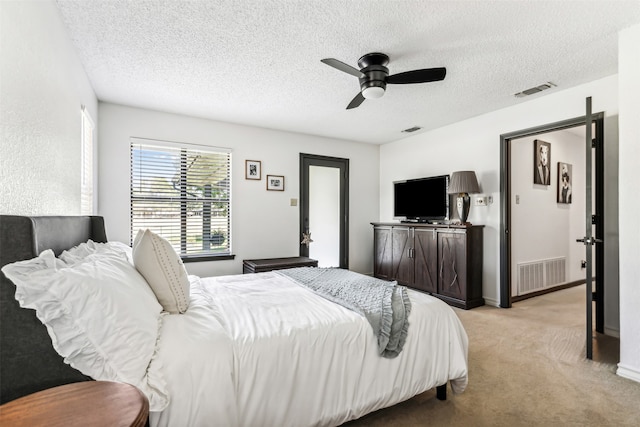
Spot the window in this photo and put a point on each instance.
(86, 166)
(182, 192)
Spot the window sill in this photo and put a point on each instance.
(200, 258)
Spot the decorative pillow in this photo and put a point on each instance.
(99, 312)
(158, 262)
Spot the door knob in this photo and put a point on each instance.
(589, 241)
(306, 238)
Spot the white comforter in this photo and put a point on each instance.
(260, 350)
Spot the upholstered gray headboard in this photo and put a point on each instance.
(28, 362)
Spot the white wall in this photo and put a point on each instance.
(264, 224)
(474, 144)
(538, 216)
(43, 88)
(629, 92)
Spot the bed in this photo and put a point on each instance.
(250, 350)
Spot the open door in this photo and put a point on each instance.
(594, 215)
(324, 201)
(589, 239)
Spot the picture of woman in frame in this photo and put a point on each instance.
(564, 182)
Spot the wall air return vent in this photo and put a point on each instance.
(531, 91)
(538, 275)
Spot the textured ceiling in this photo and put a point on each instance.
(257, 62)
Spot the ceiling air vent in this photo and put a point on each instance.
(413, 129)
(531, 91)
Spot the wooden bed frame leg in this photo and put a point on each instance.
(441, 392)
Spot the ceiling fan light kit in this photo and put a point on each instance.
(373, 92)
(374, 76)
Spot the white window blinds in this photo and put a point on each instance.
(183, 193)
(86, 186)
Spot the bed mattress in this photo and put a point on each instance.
(261, 350)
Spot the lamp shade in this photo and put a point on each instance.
(463, 182)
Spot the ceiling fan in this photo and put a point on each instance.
(374, 76)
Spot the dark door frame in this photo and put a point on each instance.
(307, 160)
(505, 203)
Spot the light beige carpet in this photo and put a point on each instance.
(527, 367)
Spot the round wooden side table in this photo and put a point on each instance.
(87, 403)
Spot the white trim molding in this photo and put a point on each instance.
(492, 302)
(628, 372)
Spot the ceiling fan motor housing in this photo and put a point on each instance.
(373, 66)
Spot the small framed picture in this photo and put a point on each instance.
(275, 182)
(541, 162)
(564, 182)
(253, 169)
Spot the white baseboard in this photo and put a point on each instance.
(492, 302)
(629, 373)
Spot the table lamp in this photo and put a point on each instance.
(463, 183)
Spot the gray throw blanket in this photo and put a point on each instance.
(384, 304)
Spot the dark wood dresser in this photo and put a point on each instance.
(443, 260)
(269, 264)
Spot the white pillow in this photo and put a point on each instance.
(101, 316)
(158, 262)
(80, 252)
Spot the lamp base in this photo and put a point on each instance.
(463, 204)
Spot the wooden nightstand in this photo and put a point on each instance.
(269, 264)
(87, 403)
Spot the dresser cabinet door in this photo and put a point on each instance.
(452, 265)
(426, 260)
(402, 255)
(383, 251)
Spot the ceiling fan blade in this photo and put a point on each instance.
(343, 67)
(418, 76)
(355, 102)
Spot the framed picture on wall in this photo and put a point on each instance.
(565, 180)
(253, 169)
(541, 162)
(275, 182)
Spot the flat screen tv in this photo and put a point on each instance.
(421, 200)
